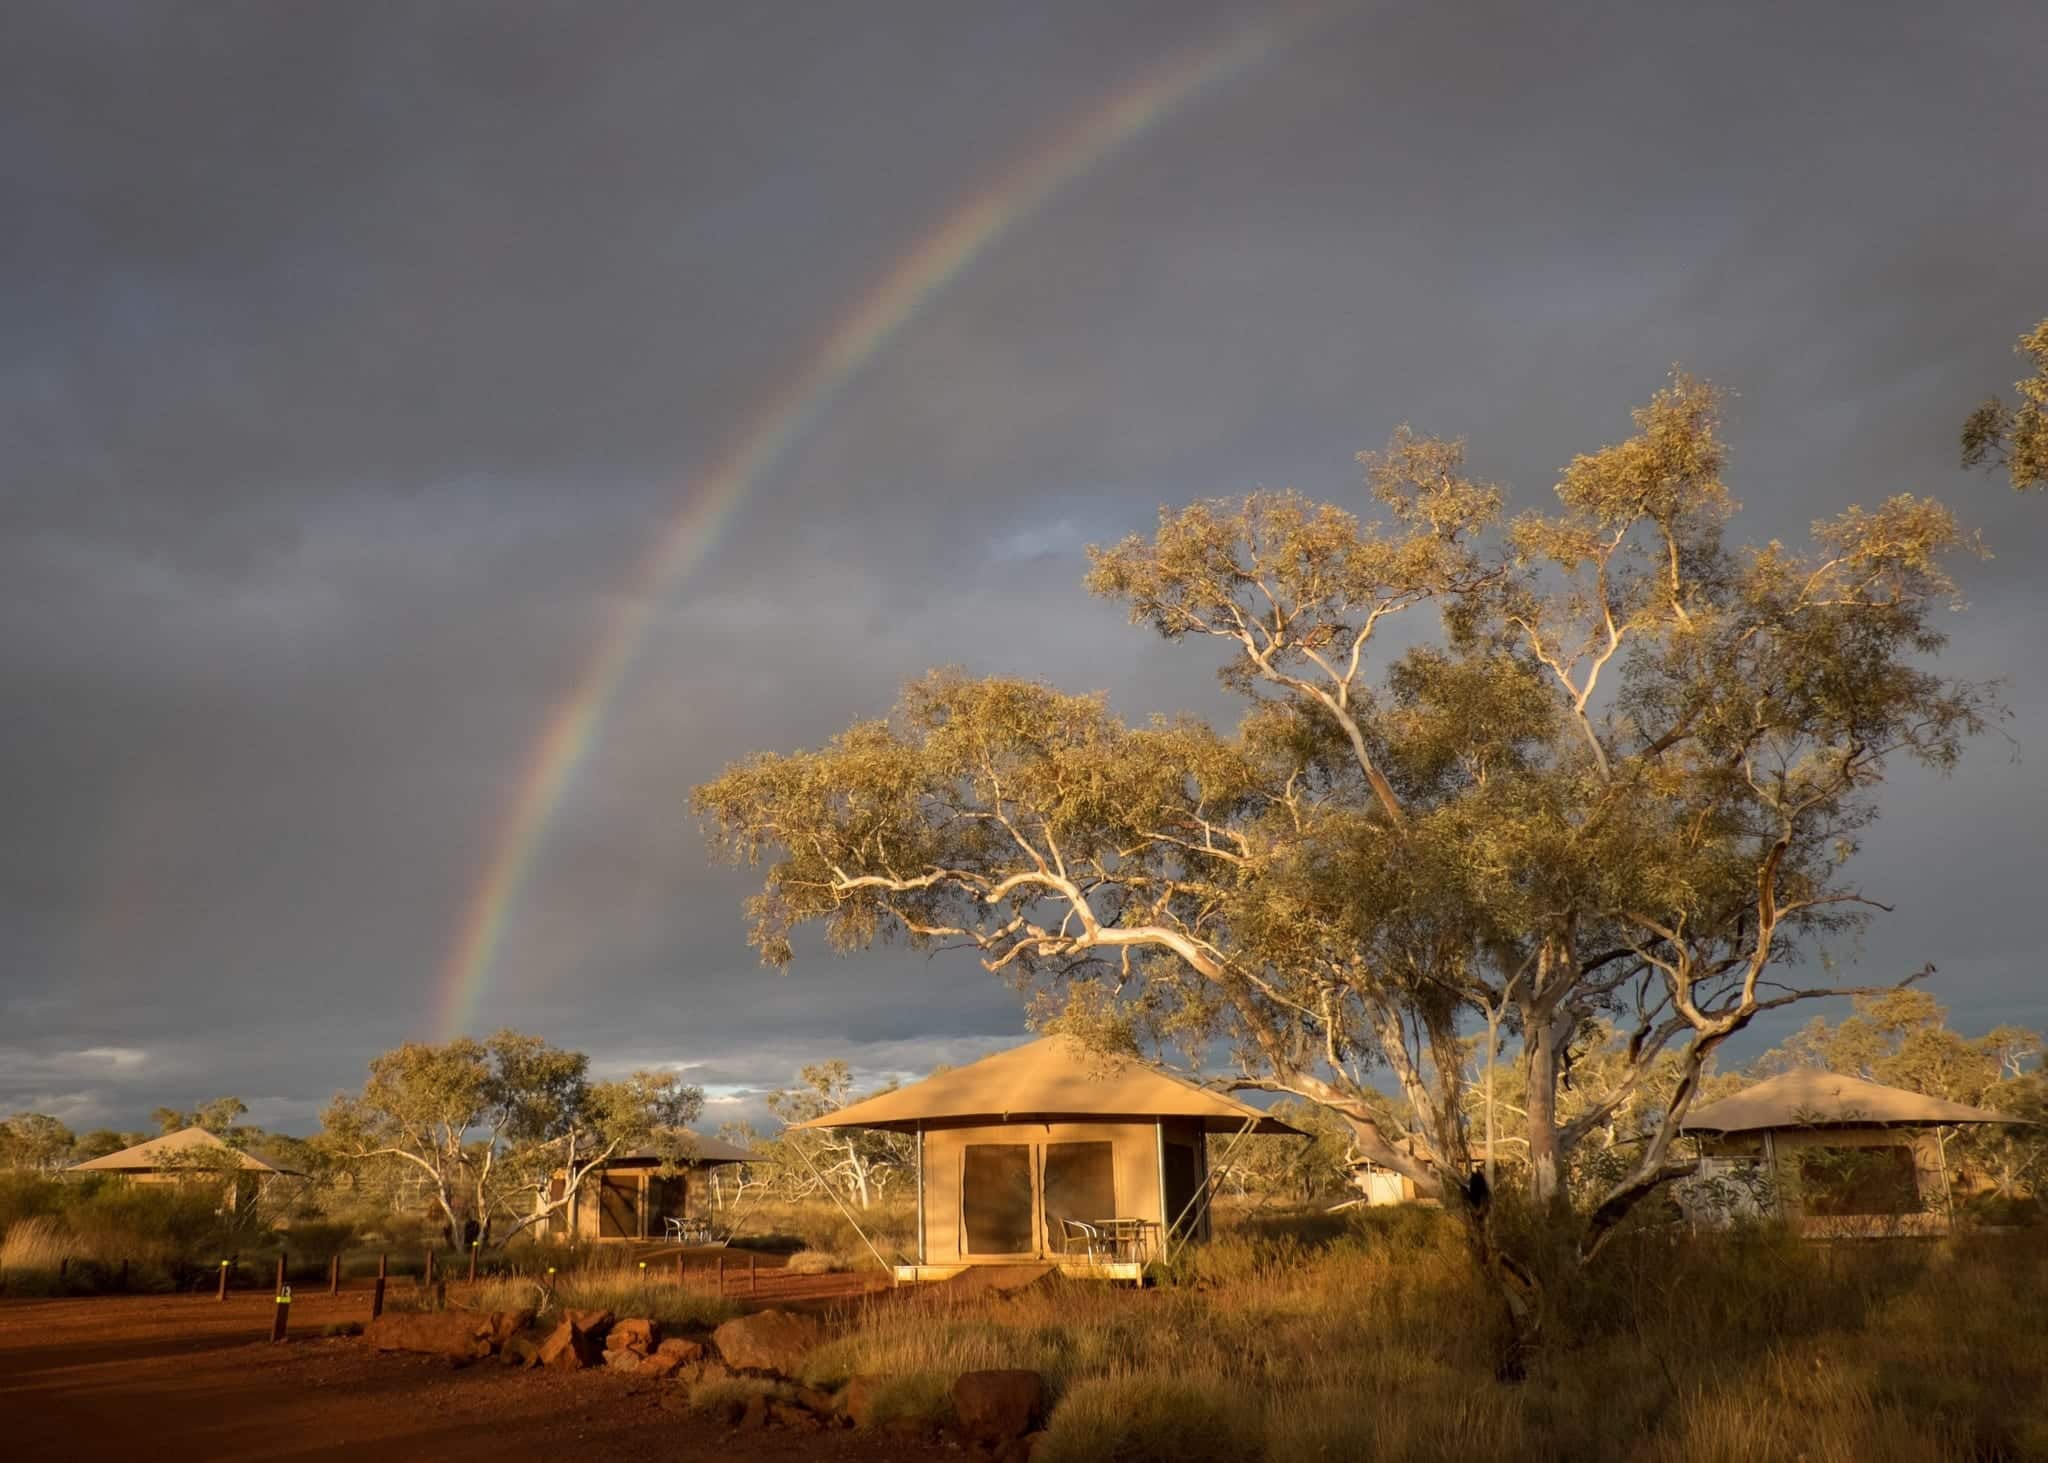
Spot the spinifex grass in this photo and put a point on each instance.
(1376, 1345)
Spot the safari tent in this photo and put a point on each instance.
(1836, 1155)
(629, 1197)
(192, 1156)
(1054, 1153)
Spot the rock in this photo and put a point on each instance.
(683, 1349)
(768, 1341)
(569, 1348)
(858, 1400)
(661, 1364)
(450, 1334)
(755, 1413)
(631, 1335)
(996, 1406)
(1019, 1450)
(624, 1360)
(500, 1327)
(788, 1414)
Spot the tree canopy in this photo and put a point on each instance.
(1608, 775)
(2015, 436)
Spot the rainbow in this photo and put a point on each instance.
(574, 723)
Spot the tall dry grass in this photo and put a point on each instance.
(1376, 1345)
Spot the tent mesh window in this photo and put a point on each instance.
(1840, 1182)
(995, 1198)
(1080, 1183)
(667, 1198)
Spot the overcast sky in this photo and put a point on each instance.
(350, 355)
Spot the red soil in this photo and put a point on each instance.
(169, 1378)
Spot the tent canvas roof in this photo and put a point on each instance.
(1811, 1098)
(166, 1151)
(1054, 1077)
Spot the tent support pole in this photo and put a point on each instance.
(1166, 1229)
(834, 1195)
(1948, 1196)
(1203, 1196)
(920, 1194)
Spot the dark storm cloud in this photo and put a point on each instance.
(349, 356)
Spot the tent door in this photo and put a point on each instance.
(618, 1206)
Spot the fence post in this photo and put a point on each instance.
(222, 1293)
(753, 1274)
(377, 1294)
(679, 1269)
(334, 1273)
(280, 1313)
(427, 1275)
(280, 1270)
(473, 1245)
(124, 1276)
(721, 1275)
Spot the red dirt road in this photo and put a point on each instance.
(163, 1379)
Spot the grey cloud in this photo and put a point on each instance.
(351, 357)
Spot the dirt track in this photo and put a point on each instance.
(162, 1379)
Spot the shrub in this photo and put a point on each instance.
(726, 1397)
(675, 1307)
(815, 1262)
(922, 1400)
(1153, 1418)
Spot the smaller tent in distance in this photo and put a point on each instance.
(192, 1156)
(1055, 1153)
(1837, 1155)
(629, 1197)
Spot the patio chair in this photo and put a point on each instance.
(672, 1229)
(1088, 1238)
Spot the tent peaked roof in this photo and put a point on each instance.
(167, 1151)
(1055, 1077)
(1810, 1098)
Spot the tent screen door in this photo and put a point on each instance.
(995, 1198)
(1183, 1183)
(1080, 1183)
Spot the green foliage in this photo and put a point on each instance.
(2015, 436)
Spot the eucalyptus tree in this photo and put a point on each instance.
(503, 1131)
(2015, 436)
(1526, 776)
